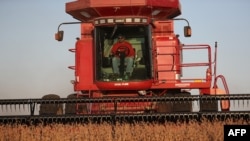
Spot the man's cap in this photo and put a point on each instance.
(120, 35)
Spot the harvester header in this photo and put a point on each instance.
(87, 10)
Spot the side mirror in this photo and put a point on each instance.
(187, 31)
(59, 36)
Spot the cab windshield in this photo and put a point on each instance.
(123, 53)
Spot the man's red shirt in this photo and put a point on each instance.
(123, 46)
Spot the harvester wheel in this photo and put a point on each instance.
(209, 106)
(182, 106)
(175, 106)
(74, 108)
(165, 107)
(51, 109)
(70, 108)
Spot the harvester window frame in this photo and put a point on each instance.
(102, 33)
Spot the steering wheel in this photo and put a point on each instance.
(122, 50)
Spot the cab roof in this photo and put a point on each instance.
(87, 10)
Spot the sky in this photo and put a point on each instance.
(33, 64)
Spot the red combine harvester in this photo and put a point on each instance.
(130, 64)
(157, 66)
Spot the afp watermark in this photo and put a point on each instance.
(237, 132)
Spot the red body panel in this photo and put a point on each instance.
(168, 63)
(132, 85)
(84, 68)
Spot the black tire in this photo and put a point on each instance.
(182, 106)
(70, 108)
(165, 107)
(175, 106)
(51, 109)
(208, 106)
(74, 108)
